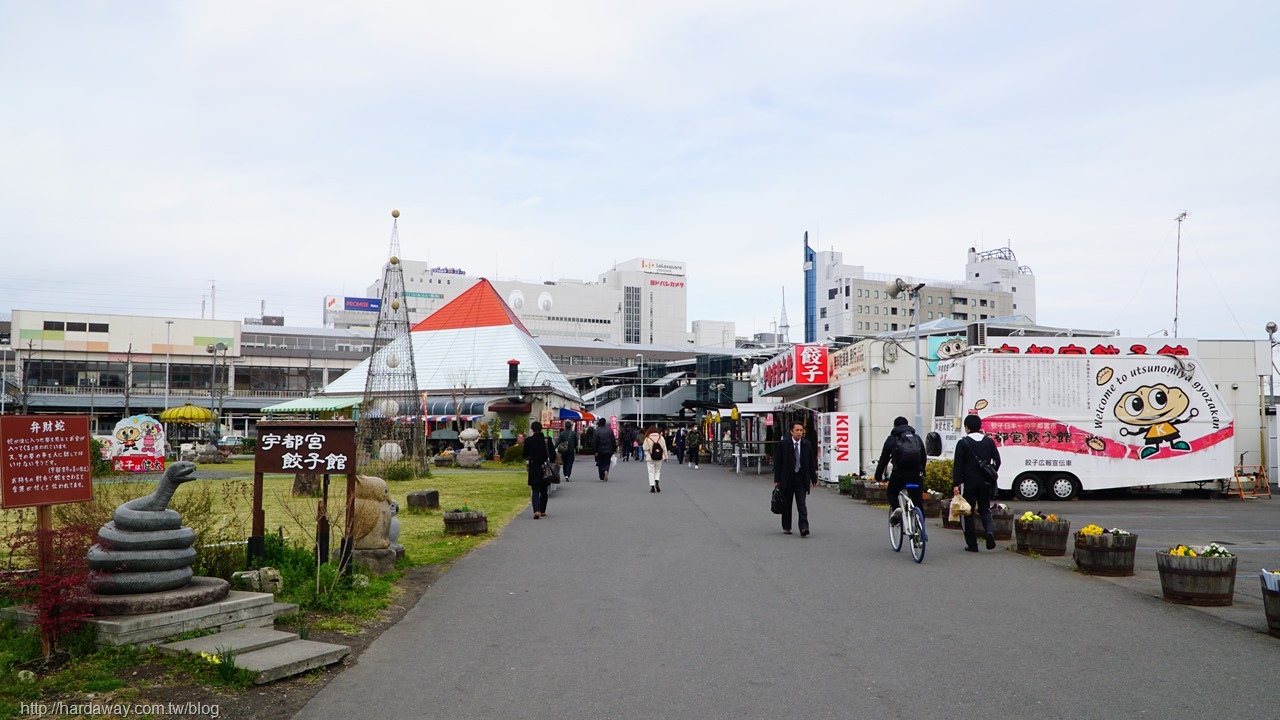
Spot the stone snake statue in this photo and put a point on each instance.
(145, 548)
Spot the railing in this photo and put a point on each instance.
(160, 392)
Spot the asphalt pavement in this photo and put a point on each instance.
(691, 603)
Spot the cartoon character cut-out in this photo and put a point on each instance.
(952, 348)
(1155, 410)
(150, 431)
(128, 437)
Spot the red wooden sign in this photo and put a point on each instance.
(44, 460)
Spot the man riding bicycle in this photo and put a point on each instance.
(905, 448)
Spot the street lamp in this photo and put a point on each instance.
(213, 349)
(595, 395)
(168, 327)
(640, 387)
(1271, 370)
(895, 288)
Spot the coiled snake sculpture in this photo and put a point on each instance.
(145, 548)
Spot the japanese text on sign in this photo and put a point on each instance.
(45, 461)
(306, 447)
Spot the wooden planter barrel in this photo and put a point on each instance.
(1106, 554)
(858, 489)
(1271, 605)
(472, 522)
(1042, 537)
(931, 506)
(1001, 525)
(876, 494)
(944, 512)
(1201, 581)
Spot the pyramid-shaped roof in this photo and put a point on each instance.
(468, 341)
(479, 306)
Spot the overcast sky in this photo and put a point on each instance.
(150, 148)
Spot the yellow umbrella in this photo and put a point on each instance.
(188, 413)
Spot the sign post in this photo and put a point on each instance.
(327, 447)
(44, 461)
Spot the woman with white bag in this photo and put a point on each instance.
(970, 481)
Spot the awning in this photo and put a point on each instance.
(757, 408)
(447, 406)
(793, 403)
(187, 413)
(669, 377)
(314, 404)
(570, 414)
(447, 418)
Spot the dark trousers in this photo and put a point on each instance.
(680, 453)
(539, 498)
(798, 490)
(602, 463)
(896, 486)
(567, 460)
(979, 496)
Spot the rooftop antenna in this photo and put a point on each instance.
(1177, 273)
(783, 328)
(213, 300)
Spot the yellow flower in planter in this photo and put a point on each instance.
(1090, 530)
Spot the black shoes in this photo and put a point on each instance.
(786, 531)
(657, 485)
(971, 549)
(804, 533)
(653, 489)
(991, 541)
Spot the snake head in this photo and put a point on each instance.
(180, 472)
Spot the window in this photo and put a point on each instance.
(822, 312)
(824, 329)
(846, 306)
(54, 325)
(895, 326)
(930, 314)
(877, 326)
(877, 310)
(1015, 289)
(977, 274)
(99, 327)
(831, 294)
(859, 292)
(877, 294)
(983, 302)
(930, 299)
(846, 291)
(76, 327)
(893, 311)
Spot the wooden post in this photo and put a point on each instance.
(348, 537)
(44, 564)
(322, 523)
(257, 546)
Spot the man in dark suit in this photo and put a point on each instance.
(794, 471)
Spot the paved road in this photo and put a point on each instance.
(692, 604)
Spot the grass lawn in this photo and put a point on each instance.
(501, 491)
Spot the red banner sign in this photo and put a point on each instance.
(44, 460)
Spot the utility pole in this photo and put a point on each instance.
(1177, 273)
(128, 378)
(22, 378)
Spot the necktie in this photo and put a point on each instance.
(797, 456)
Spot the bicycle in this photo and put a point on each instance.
(911, 525)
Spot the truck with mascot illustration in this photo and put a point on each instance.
(1093, 414)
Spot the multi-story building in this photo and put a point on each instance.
(852, 302)
(638, 302)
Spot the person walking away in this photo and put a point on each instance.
(679, 444)
(692, 444)
(639, 449)
(625, 443)
(795, 472)
(567, 448)
(603, 444)
(906, 450)
(975, 484)
(654, 447)
(537, 450)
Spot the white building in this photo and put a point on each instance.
(852, 302)
(642, 301)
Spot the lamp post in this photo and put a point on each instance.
(595, 395)
(895, 288)
(168, 351)
(1271, 391)
(213, 349)
(640, 388)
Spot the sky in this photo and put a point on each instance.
(155, 150)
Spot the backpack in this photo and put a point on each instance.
(655, 453)
(907, 453)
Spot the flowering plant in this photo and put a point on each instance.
(1096, 530)
(999, 508)
(1210, 550)
(1029, 516)
(1271, 579)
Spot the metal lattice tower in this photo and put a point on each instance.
(391, 426)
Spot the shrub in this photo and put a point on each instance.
(99, 466)
(937, 476)
(398, 471)
(513, 454)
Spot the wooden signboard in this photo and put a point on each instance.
(44, 460)
(321, 447)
